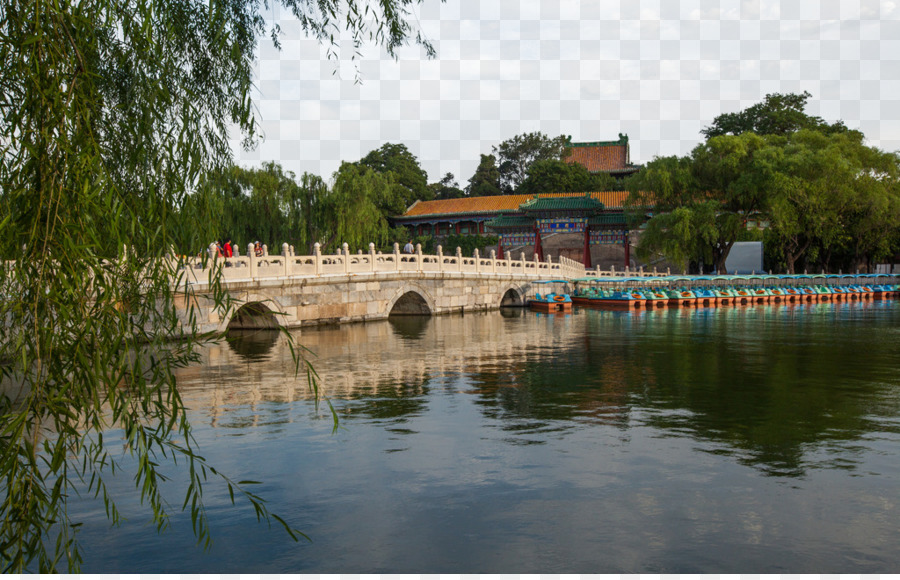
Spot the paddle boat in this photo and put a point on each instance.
(551, 301)
(616, 293)
(880, 288)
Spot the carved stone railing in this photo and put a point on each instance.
(343, 263)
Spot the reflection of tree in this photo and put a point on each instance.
(772, 386)
(770, 392)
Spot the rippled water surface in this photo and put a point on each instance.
(760, 439)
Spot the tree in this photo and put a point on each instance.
(516, 155)
(779, 114)
(730, 173)
(112, 114)
(267, 204)
(352, 213)
(804, 208)
(555, 176)
(486, 179)
(410, 180)
(446, 188)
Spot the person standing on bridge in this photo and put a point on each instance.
(408, 248)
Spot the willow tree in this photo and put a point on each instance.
(112, 111)
(722, 184)
(266, 204)
(352, 213)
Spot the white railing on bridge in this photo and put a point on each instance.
(289, 265)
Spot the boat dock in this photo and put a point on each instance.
(725, 290)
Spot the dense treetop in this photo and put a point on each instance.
(826, 199)
(778, 114)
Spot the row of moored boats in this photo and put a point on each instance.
(654, 292)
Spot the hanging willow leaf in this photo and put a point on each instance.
(113, 113)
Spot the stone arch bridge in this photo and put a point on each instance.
(294, 291)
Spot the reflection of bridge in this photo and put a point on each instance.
(386, 358)
(300, 290)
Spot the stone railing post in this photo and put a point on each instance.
(292, 251)
(612, 270)
(440, 255)
(641, 272)
(419, 258)
(493, 261)
(285, 255)
(345, 252)
(668, 271)
(522, 257)
(397, 256)
(317, 253)
(372, 256)
(265, 250)
(477, 257)
(459, 259)
(254, 261)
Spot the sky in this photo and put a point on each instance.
(657, 71)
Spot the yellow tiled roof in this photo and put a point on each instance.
(502, 203)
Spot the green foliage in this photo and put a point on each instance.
(685, 235)
(113, 114)
(779, 114)
(827, 200)
(410, 180)
(446, 188)
(352, 213)
(555, 176)
(516, 155)
(468, 244)
(267, 205)
(486, 179)
(730, 174)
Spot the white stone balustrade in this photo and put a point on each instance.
(288, 265)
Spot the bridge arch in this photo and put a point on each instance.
(512, 296)
(253, 315)
(411, 300)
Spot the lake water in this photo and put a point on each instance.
(749, 439)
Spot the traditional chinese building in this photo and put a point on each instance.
(523, 221)
(613, 157)
(544, 215)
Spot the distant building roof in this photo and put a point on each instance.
(603, 156)
(572, 203)
(496, 204)
(514, 221)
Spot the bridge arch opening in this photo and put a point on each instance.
(254, 315)
(410, 304)
(511, 298)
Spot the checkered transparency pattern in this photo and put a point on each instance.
(656, 70)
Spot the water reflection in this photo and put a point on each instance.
(773, 386)
(252, 345)
(410, 327)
